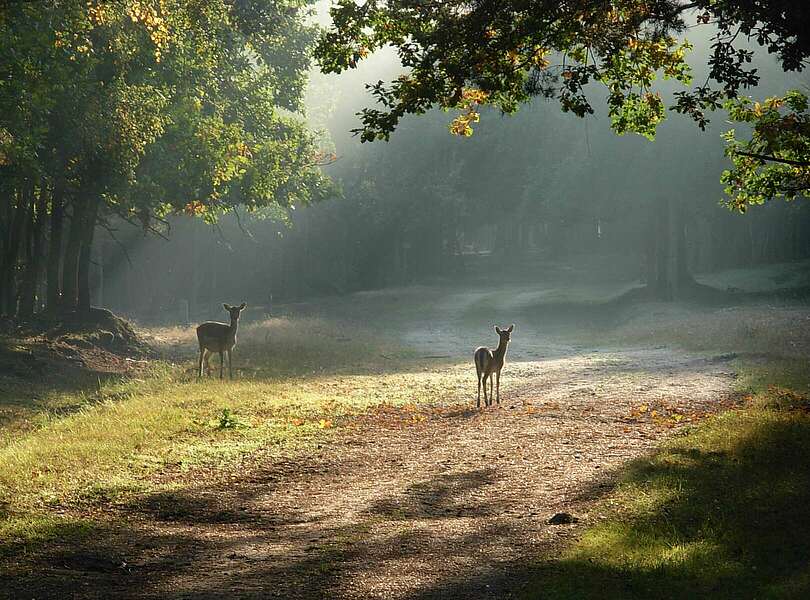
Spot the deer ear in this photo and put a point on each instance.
(226, 306)
(497, 330)
(242, 306)
(511, 328)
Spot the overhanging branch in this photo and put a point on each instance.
(769, 158)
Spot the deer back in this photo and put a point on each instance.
(216, 337)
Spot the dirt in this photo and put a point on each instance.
(412, 502)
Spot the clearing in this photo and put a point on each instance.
(396, 486)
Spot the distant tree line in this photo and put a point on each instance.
(464, 57)
(537, 198)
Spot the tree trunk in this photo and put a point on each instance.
(85, 255)
(8, 274)
(39, 212)
(668, 275)
(70, 273)
(54, 281)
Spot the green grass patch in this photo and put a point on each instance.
(296, 383)
(721, 512)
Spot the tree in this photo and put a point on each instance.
(141, 108)
(775, 161)
(462, 55)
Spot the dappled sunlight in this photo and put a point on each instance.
(673, 525)
(328, 499)
(347, 454)
(242, 351)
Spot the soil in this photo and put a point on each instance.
(439, 502)
(60, 349)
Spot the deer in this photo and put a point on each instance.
(490, 362)
(218, 337)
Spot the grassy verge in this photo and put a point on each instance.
(299, 381)
(721, 512)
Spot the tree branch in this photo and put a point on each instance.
(242, 227)
(767, 157)
(111, 232)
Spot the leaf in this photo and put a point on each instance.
(325, 424)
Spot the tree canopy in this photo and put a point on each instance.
(461, 55)
(140, 108)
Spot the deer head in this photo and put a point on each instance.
(505, 334)
(234, 311)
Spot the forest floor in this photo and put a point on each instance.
(348, 460)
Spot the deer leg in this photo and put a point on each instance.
(478, 402)
(200, 362)
(206, 357)
(230, 365)
(221, 365)
(491, 384)
(498, 386)
(484, 383)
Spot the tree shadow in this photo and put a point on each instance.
(723, 524)
(438, 498)
(731, 523)
(215, 541)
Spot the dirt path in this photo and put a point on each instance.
(439, 503)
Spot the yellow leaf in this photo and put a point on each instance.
(325, 423)
(298, 422)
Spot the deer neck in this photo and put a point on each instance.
(500, 351)
(234, 327)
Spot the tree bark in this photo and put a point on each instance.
(54, 281)
(85, 255)
(70, 273)
(38, 214)
(8, 274)
(668, 275)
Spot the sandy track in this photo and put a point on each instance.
(439, 503)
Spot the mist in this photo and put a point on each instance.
(539, 197)
(244, 354)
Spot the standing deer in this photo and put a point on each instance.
(219, 337)
(489, 362)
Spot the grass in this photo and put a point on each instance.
(721, 512)
(299, 380)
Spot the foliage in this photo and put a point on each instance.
(142, 108)
(503, 50)
(226, 419)
(507, 53)
(775, 161)
(504, 53)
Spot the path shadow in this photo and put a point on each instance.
(440, 497)
(731, 524)
(753, 544)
